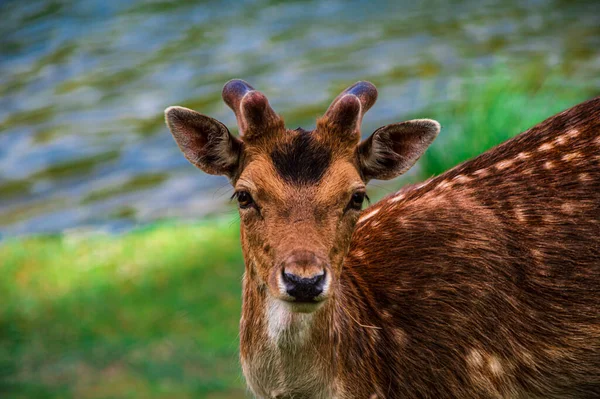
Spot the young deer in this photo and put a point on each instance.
(483, 282)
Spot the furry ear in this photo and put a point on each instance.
(204, 141)
(391, 150)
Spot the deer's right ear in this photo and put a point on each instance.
(204, 141)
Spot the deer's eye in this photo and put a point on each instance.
(357, 200)
(244, 199)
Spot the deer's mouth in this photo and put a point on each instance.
(295, 306)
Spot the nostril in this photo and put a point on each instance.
(319, 279)
(303, 289)
(290, 278)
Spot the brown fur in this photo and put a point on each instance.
(491, 273)
(483, 282)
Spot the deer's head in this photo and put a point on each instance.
(299, 192)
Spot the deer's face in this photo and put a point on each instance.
(299, 192)
(299, 198)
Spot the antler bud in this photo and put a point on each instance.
(348, 109)
(252, 109)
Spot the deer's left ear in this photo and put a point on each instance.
(391, 150)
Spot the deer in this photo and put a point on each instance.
(481, 282)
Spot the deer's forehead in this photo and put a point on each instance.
(293, 158)
(300, 158)
(300, 167)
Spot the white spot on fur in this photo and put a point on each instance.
(369, 215)
(527, 358)
(520, 214)
(474, 358)
(584, 177)
(546, 147)
(548, 165)
(568, 208)
(537, 255)
(504, 164)
(528, 171)
(485, 370)
(572, 133)
(477, 359)
(444, 185)
(400, 336)
(560, 140)
(462, 178)
(549, 218)
(495, 366)
(374, 336)
(359, 253)
(481, 172)
(571, 156)
(523, 156)
(397, 198)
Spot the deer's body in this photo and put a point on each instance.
(483, 282)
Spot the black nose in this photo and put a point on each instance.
(303, 289)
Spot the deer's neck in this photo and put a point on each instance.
(286, 354)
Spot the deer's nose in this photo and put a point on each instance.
(304, 289)
(304, 276)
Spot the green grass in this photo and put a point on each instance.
(488, 109)
(154, 313)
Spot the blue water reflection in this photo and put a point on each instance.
(83, 85)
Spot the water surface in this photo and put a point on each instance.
(83, 85)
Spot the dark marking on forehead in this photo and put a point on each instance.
(301, 159)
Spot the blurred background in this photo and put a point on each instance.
(120, 265)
